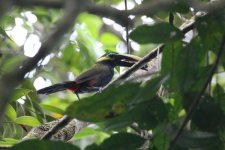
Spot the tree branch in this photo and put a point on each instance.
(65, 133)
(62, 123)
(57, 4)
(120, 16)
(73, 7)
(196, 101)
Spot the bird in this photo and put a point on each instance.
(96, 77)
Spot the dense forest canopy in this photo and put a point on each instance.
(178, 102)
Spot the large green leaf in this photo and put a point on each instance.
(89, 132)
(10, 112)
(120, 141)
(158, 33)
(27, 120)
(52, 108)
(43, 145)
(92, 22)
(160, 140)
(109, 40)
(8, 141)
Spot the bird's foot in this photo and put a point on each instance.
(78, 97)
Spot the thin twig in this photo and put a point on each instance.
(127, 29)
(198, 98)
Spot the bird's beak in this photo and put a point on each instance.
(127, 60)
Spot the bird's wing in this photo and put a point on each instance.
(91, 73)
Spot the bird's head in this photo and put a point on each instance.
(124, 60)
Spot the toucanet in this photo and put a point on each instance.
(96, 77)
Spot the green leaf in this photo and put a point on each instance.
(43, 145)
(158, 33)
(8, 141)
(161, 140)
(92, 22)
(10, 112)
(185, 65)
(89, 132)
(51, 108)
(109, 39)
(18, 93)
(27, 120)
(120, 141)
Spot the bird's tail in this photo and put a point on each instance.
(71, 85)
